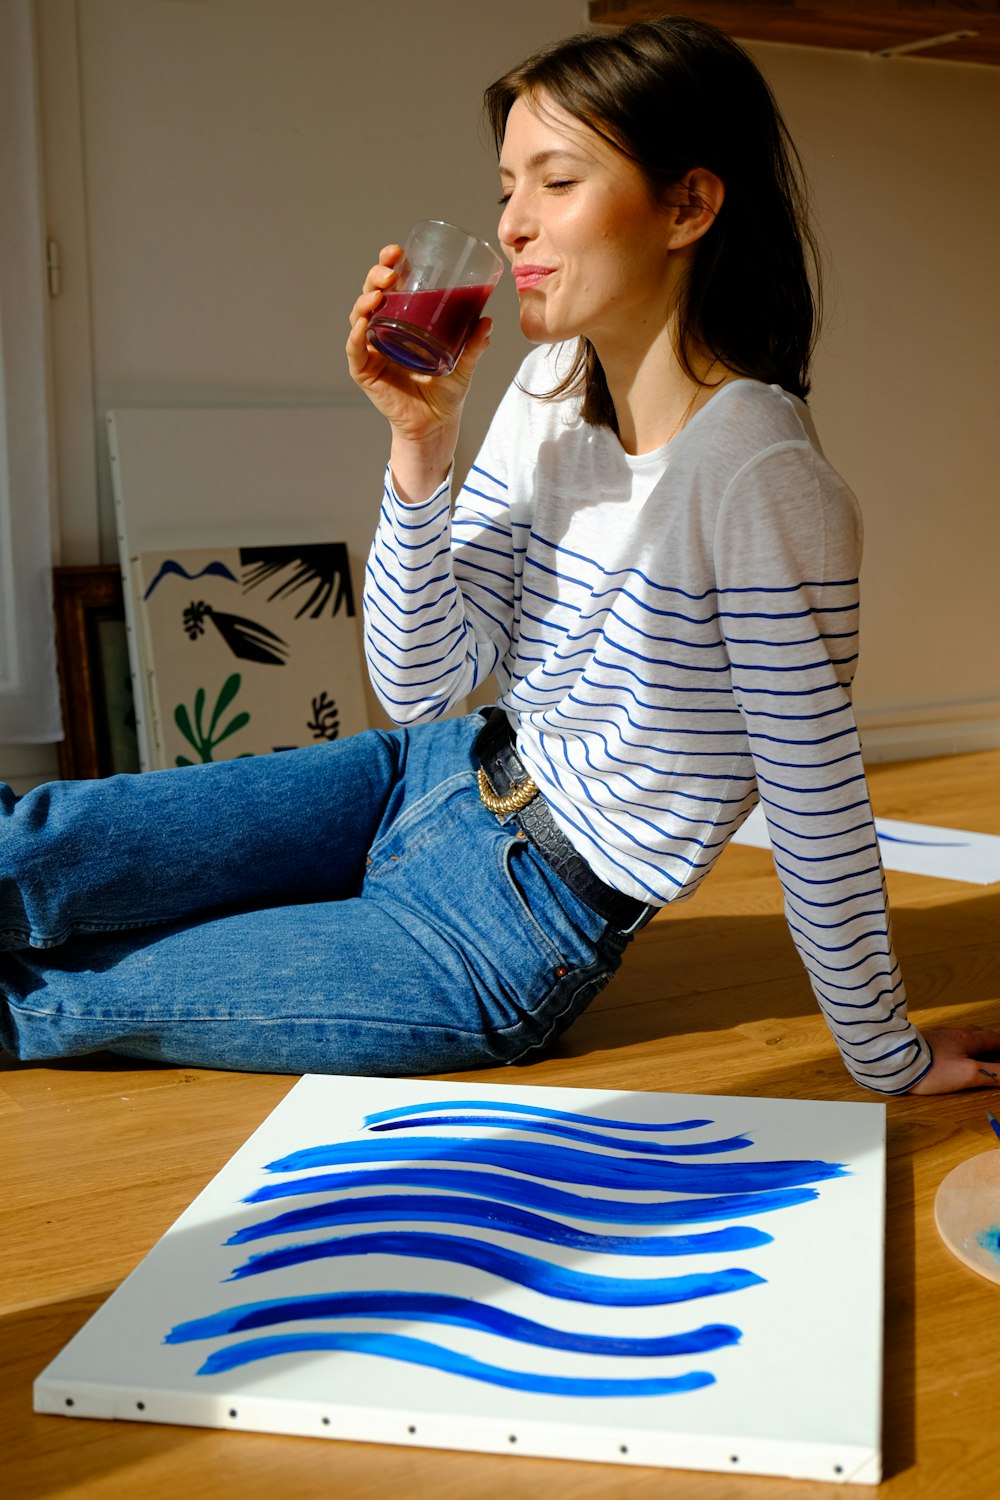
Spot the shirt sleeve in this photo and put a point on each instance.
(438, 595)
(788, 546)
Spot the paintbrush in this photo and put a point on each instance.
(994, 1125)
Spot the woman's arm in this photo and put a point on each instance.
(788, 546)
(424, 652)
(423, 411)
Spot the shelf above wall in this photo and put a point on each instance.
(966, 31)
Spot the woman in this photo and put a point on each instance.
(654, 560)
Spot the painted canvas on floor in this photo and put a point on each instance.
(637, 1278)
(248, 650)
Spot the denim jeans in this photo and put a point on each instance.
(350, 908)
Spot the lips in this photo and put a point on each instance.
(527, 277)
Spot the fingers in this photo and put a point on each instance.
(378, 280)
(475, 347)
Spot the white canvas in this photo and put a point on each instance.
(916, 848)
(458, 1236)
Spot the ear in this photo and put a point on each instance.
(695, 201)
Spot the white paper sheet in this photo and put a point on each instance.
(917, 848)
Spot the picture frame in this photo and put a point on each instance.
(94, 680)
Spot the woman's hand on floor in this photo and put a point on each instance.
(965, 1057)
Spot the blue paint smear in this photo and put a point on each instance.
(417, 1352)
(567, 1164)
(459, 1312)
(989, 1240)
(513, 1265)
(539, 1195)
(509, 1107)
(573, 1133)
(447, 1209)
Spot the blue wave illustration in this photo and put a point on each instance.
(438, 1357)
(575, 1133)
(566, 1164)
(493, 1177)
(513, 1265)
(445, 1209)
(509, 1107)
(492, 1186)
(459, 1312)
(170, 566)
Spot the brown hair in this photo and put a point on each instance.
(671, 95)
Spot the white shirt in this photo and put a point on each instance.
(673, 635)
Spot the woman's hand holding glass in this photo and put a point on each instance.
(424, 411)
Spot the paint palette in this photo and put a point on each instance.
(967, 1213)
(632, 1278)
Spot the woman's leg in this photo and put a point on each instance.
(461, 950)
(88, 857)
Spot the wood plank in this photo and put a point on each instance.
(851, 25)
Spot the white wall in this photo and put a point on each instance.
(243, 162)
(904, 156)
(221, 173)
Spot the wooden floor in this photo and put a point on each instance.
(99, 1157)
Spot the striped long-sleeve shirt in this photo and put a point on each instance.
(674, 636)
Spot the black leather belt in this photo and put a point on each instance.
(507, 776)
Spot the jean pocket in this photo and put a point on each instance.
(564, 925)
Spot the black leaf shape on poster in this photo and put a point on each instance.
(323, 566)
(325, 722)
(246, 639)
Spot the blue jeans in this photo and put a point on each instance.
(349, 908)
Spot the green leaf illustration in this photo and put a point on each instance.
(204, 741)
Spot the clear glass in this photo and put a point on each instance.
(445, 278)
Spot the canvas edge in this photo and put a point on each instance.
(829, 1462)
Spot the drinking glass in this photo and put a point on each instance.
(443, 281)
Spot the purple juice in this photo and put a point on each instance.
(427, 330)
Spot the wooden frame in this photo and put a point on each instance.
(96, 696)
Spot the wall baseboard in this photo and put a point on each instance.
(924, 731)
(895, 734)
(25, 766)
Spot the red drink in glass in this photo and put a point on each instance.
(442, 283)
(427, 330)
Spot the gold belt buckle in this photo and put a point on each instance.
(519, 796)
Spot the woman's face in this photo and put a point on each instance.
(589, 249)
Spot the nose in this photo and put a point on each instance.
(515, 228)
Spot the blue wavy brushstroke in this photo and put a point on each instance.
(566, 1164)
(503, 1106)
(443, 1209)
(574, 1133)
(513, 1265)
(171, 565)
(491, 1185)
(526, 1175)
(434, 1356)
(894, 838)
(459, 1312)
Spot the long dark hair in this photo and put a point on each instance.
(671, 95)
